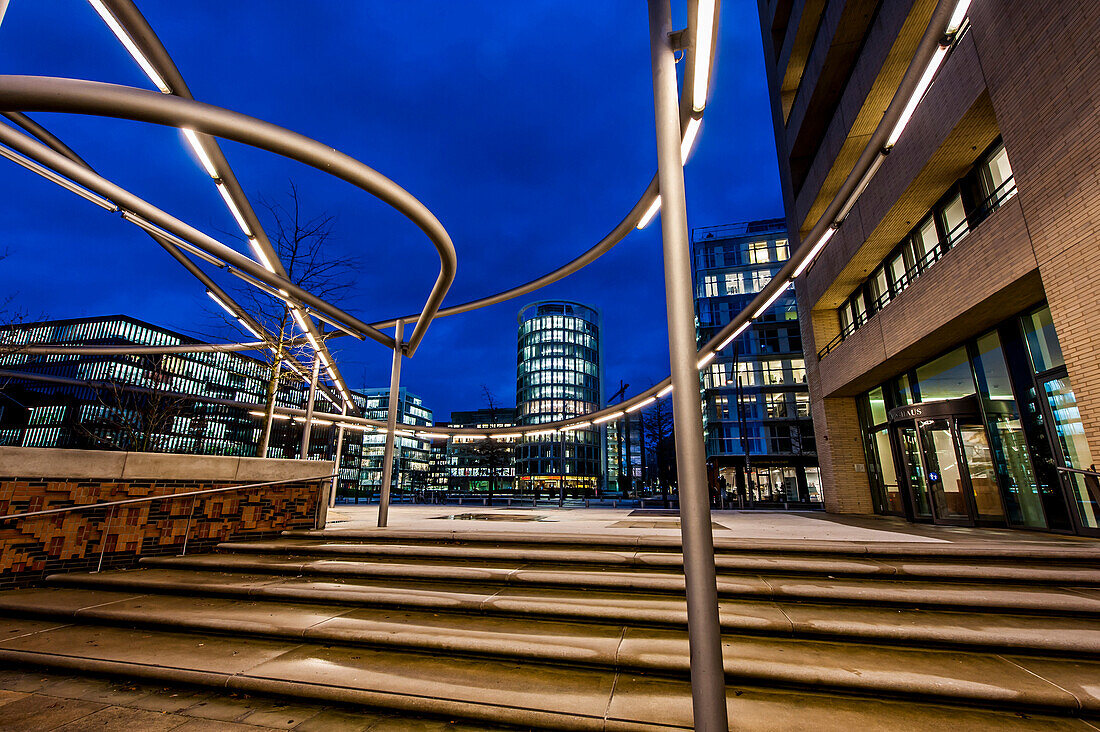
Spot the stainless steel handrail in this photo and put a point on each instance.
(1093, 473)
(322, 507)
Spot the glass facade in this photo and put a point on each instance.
(558, 376)
(410, 454)
(976, 436)
(759, 434)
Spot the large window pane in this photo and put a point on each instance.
(926, 240)
(947, 377)
(878, 406)
(1042, 341)
(954, 220)
(1075, 447)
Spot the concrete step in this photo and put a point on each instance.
(529, 694)
(942, 569)
(1018, 548)
(841, 590)
(1017, 632)
(949, 676)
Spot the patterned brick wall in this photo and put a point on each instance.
(32, 548)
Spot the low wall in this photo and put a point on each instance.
(36, 479)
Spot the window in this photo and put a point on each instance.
(926, 241)
(997, 171)
(880, 288)
(947, 377)
(954, 220)
(1042, 341)
(758, 252)
(782, 250)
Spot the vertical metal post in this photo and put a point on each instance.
(391, 424)
(704, 633)
(103, 539)
(307, 430)
(272, 396)
(336, 458)
(187, 530)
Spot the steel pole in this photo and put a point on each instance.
(307, 429)
(391, 425)
(336, 457)
(708, 682)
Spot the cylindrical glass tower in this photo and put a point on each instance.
(559, 375)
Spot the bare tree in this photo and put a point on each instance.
(491, 453)
(302, 243)
(660, 444)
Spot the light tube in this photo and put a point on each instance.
(958, 16)
(640, 404)
(706, 359)
(274, 415)
(607, 417)
(58, 179)
(312, 341)
(650, 213)
(771, 300)
(740, 329)
(863, 183)
(128, 42)
(432, 435)
(703, 40)
(249, 328)
(207, 163)
(298, 319)
(186, 246)
(815, 251)
(918, 94)
(233, 209)
(220, 302)
(570, 428)
(664, 392)
(539, 433)
(260, 254)
(333, 323)
(690, 134)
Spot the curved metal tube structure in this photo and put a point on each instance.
(66, 95)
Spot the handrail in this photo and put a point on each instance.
(318, 521)
(1093, 473)
(149, 499)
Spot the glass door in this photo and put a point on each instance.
(945, 476)
(1073, 449)
(914, 470)
(981, 472)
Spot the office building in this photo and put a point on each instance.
(759, 435)
(558, 376)
(411, 454)
(472, 465)
(950, 324)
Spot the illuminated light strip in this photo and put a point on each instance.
(196, 145)
(771, 300)
(690, 134)
(740, 329)
(664, 392)
(432, 435)
(274, 415)
(128, 42)
(186, 246)
(233, 208)
(299, 320)
(815, 251)
(863, 183)
(58, 179)
(607, 417)
(250, 329)
(260, 254)
(403, 433)
(918, 94)
(958, 16)
(640, 404)
(706, 359)
(650, 213)
(703, 41)
(570, 428)
(539, 433)
(220, 302)
(473, 437)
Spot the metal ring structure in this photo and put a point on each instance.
(946, 20)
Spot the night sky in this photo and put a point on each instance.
(525, 126)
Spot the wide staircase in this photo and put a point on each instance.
(588, 633)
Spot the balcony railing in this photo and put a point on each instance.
(902, 281)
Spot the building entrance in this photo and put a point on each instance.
(947, 464)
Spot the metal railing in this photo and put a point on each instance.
(902, 281)
(318, 520)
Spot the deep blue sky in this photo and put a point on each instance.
(526, 127)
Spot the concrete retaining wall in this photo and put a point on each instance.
(35, 479)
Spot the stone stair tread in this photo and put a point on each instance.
(1018, 548)
(909, 592)
(857, 668)
(494, 690)
(841, 566)
(1049, 633)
